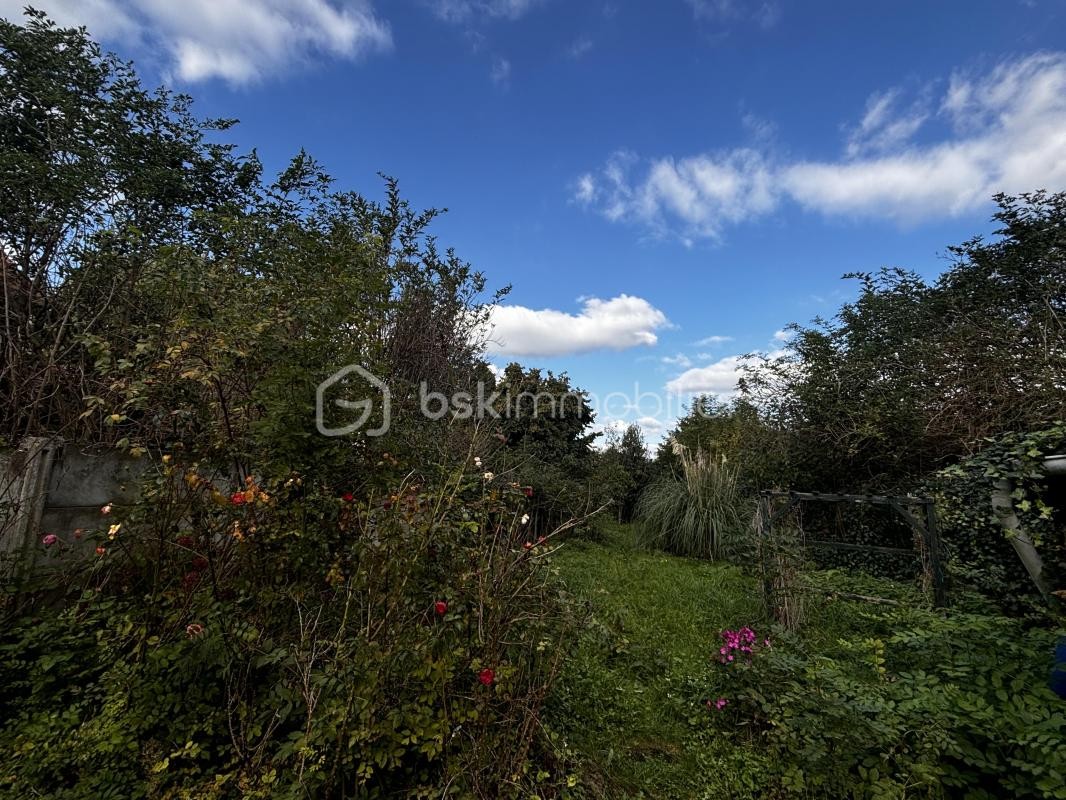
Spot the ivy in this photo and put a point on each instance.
(978, 548)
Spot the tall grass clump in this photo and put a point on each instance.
(694, 511)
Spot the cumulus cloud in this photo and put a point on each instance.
(719, 378)
(616, 324)
(1004, 130)
(239, 41)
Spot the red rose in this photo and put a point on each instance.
(100, 550)
(528, 545)
(486, 676)
(347, 497)
(441, 608)
(527, 491)
(237, 498)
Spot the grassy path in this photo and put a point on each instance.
(626, 698)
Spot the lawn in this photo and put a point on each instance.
(869, 699)
(625, 707)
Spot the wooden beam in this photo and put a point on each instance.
(864, 547)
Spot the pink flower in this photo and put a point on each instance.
(486, 676)
(721, 703)
(49, 539)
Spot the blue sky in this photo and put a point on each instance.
(646, 174)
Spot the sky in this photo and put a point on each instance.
(666, 185)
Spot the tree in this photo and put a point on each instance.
(95, 171)
(544, 422)
(911, 376)
(735, 432)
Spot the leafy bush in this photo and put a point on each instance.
(979, 552)
(695, 511)
(918, 704)
(281, 641)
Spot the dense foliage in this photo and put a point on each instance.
(911, 375)
(284, 613)
(281, 613)
(910, 704)
(977, 545)
(280, 641)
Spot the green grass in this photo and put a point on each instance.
(625, 702)
(627, 716)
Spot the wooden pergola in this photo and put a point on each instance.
(918, 512)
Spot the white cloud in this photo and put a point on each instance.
(500, 74)
(239, 41)
(766, 14)
(719, 378)
(616, 324)
(781, 335)
(585, 189)
(467, 10)
(702, 193)
(579, 48)
(712, 341)
(650, 424)
(680, 360)
(882, 128)
(1001, 131)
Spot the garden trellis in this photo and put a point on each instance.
(919, 513)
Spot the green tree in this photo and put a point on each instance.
(910, 376)
(95, 171)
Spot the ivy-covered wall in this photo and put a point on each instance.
(978, 548)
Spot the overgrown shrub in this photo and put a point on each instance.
(978, 550)
(917, 704)
(694, 511)
(279, 640)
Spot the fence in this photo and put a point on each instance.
(49, 486)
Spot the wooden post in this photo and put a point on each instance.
(766, 505)
(940, 598)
